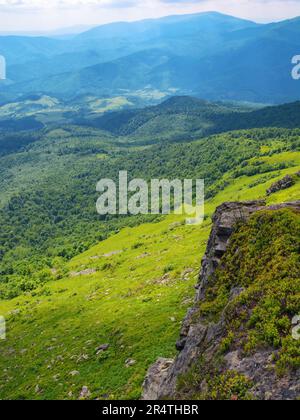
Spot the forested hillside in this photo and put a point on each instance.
(48, 192)
(32, 118)
(192, 118)
(80, 292)
(91, 326)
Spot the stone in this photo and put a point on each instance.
(112, 253)
(102, 348)
(130, 362)
(155, 376)
(74, 373)
(86, 272)
(37, 389)
(83, 358)
(84, 393)
(283, 184)
(186, 273)
(180, 344)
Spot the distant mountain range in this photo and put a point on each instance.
(210, 55)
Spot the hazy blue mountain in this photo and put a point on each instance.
(203, 25)
(108, 42)
(210, 55)
(21, 49)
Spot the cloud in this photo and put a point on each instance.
(54, 4)
(46, 4)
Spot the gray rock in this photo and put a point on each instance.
(259, 369)
(130, 362)
(38, 390)
(86, 272)
(74, 373)
(283, 184)
(84, 393)
(155, 376)
(102, 348)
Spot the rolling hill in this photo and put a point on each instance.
(120, 118)
(191, 118)
(91, 302)
(91, 327)
(48, 191)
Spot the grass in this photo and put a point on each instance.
(129, 303)
(134, 298)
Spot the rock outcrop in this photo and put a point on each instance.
(202, 339)
(283, 184)
(156, 375)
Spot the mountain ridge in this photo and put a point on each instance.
(209, 55)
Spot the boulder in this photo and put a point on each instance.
(283, 184)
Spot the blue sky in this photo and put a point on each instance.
(44, 15)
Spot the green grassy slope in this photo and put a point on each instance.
(134, 297)
(52, 211)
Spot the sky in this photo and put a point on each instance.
(49, 15)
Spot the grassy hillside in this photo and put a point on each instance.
(49, 192)
(130, 291)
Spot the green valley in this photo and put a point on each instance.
(108, 291)
(93, 317)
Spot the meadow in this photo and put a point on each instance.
(130, 291)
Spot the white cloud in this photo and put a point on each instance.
(39, 4)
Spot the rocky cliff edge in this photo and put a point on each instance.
(201, 339)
